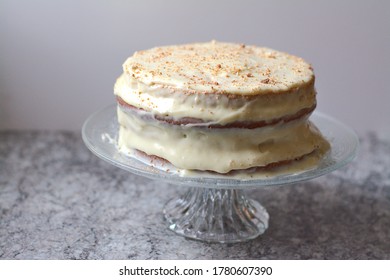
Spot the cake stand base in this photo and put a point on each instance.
(216, 215)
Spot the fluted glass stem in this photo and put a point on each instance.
(216, 215)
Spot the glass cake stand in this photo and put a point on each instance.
(215, 207)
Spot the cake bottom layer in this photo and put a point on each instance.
(220, 150)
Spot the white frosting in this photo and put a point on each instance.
(214, 108)
(219, 150)
(216, 67)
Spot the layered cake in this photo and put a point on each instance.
(218, 107)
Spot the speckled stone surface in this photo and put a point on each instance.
(59, 201)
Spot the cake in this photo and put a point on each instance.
(218, 107)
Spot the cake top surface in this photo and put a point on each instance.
(216, 67)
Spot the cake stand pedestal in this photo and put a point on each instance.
(215, 207)
(216, 215)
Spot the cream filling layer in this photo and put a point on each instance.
(219, 150)
(212, 108)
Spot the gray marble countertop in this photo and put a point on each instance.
(59, 201)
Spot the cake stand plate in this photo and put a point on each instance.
(215, 207)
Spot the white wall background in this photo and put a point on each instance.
(59, 59)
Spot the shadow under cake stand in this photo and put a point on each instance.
(215, 207)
